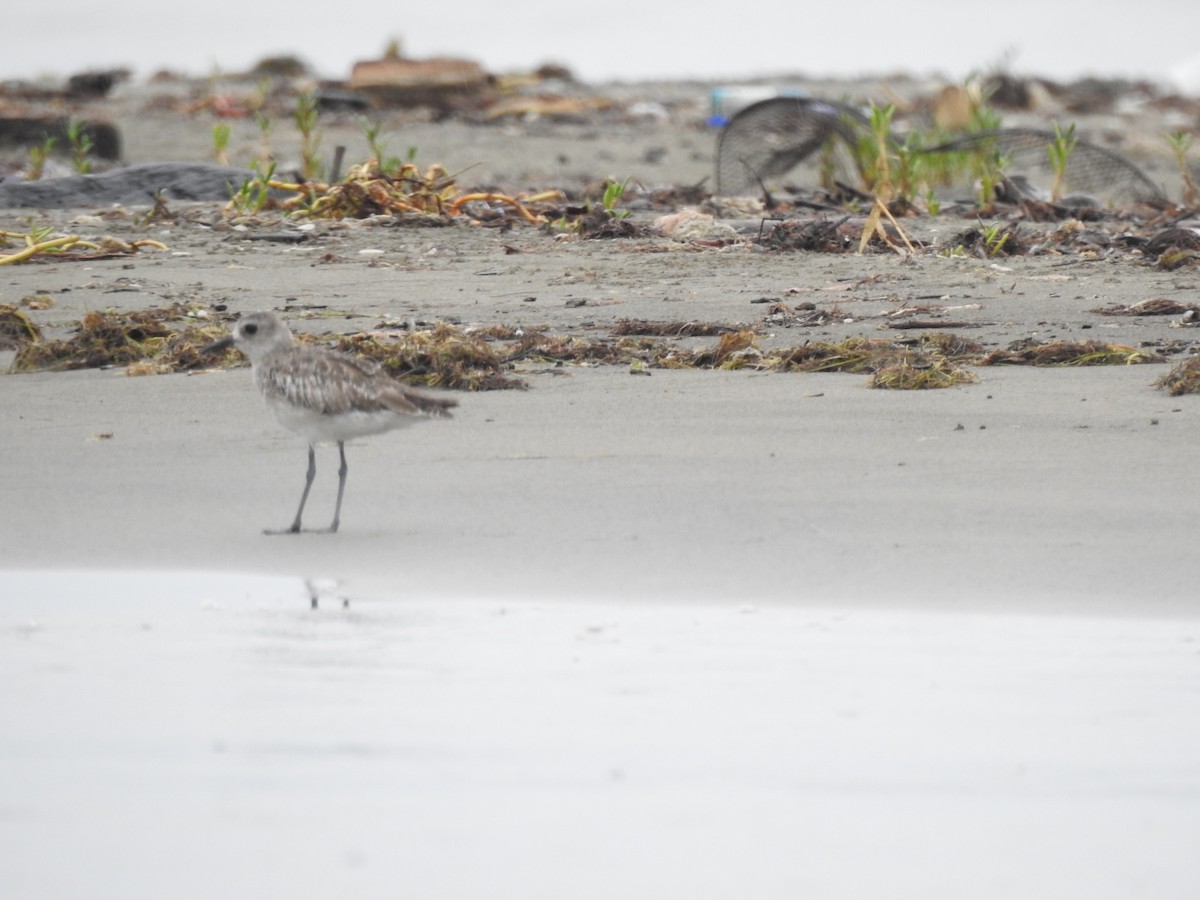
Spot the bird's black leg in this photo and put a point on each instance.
(308, 480)
(342, 470)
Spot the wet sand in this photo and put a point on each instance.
(615, 633)
(199, 736)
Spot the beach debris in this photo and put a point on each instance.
(444, 356)
(988, 241)
(1030, 352)
(368, 191)
(671, 329)
(857, 354)
(406, 192)
(70, 246)
(555, 107)
(147, 342)
(108, 339)
(842, 234)
(594, 221)
(692, 225)
(16, 328)
(734, 350)
(1173, 247)
(1175, 258)
(854, 355)
(601, 215)
(928, 361)
(802, 315)
(1184, 378)
(953, 346)
(1153, 306)
(1173, 238)
(766, 140)
(1091, 172)
(447, 355)
(444, 84)
(820, 234)
(926, 374)
(923, 324)
(1051, 174)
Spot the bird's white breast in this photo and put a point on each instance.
(325, 427)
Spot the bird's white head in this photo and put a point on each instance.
(259, 335)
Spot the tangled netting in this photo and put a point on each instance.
(768, 140)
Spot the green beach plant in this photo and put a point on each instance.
(613, 190)
(81, 145)
(221, 133)
(987, 166)
(306, 117)
(1180, 142)
(875, 152)
(932, 204)
(254, 194)
(265, 125)
(378, 149)
(37, 158)
(1059, 151)
(995, 236)
(371, 130)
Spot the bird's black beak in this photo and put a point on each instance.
(216, 346)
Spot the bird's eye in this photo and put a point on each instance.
(249, 328)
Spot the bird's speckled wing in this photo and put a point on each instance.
(331, 383)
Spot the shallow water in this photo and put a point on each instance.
(168, 734)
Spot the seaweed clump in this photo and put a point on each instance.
(16, 328)
(671, 329)
(924, 374)
(107, 339)
(1154, 306)
(1184, 378)
(443, 357)
(936, 361)
(932, 361)
(820, 235)
(1068, 353)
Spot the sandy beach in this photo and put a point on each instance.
(676, 633)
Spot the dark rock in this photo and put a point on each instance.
(286, 66)
(132, 186)
(21, 132)
(340, 100)
(94, 85)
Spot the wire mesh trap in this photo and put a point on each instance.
(768, 139)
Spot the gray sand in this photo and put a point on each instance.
(1058, 493)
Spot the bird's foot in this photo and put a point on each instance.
(294, 528)
(330, 530)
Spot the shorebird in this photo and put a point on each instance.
(324, 396)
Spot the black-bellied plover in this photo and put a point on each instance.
(323, 395)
